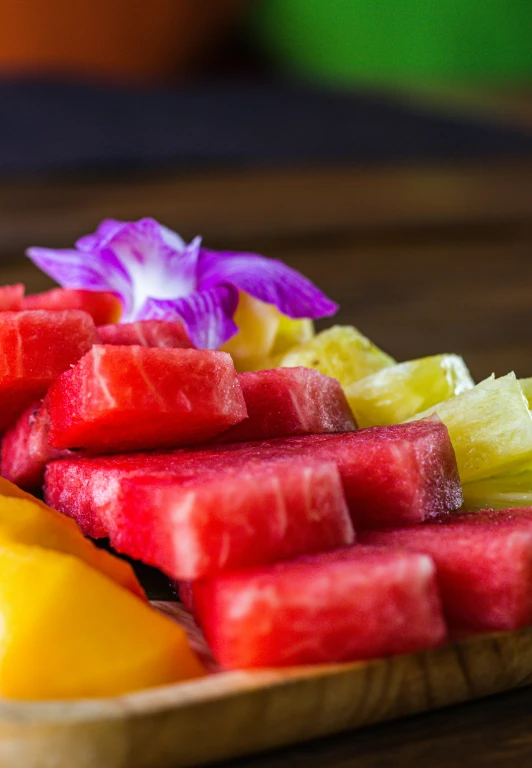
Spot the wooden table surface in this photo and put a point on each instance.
(423, 260)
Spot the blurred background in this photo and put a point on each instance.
(383, 149)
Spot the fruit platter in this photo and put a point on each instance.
(344, 538)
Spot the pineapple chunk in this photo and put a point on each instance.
(511, 489)
(395, 394)
(490, 427)
(258, 324)
(341, 352)
(290, 333)
(526, 386)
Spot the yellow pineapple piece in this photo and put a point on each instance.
(291, 333)
(27, 520)
(341, 352)
(397, 393)
(510, 489)
(526, 386)
(70, 632)
(258, 324)
(490, 427)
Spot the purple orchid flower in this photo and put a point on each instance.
(158, 276)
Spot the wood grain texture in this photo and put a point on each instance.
(230, 714)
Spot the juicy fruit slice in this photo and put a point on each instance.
(396, 475)
(257, 323)
(146, 333)
(134, 398)
(36, 348)
(102, 306)
(490, 427)
(484, 567)
(26, 450)
(397, 393)
(290, 333)
(80, 635)
(526, 386)
(341, 352)
(195, 527)
(290, 401)
(512, 488)
(25, 520)
(355, 603)
(11, 297)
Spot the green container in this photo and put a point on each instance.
(400, 41)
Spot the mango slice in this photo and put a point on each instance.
(397, 393)
(490, 428)
(68, 631)
(341, 352)
(27, 520)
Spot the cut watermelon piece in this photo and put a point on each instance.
(26, 450)
(355, 603)
(36, 348)
(11, 298)
(146, 333)
(102, 306)
(185, 590)
(195, 527)
(391, 476)
(290, 401)
(484, 564)
(133, 398)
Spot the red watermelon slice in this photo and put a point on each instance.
(290, 401)
(26, 450)
(396, 475)
(36, 348)
(133, 398)
(11, 298)
(146, 333)
(484, 566)
(194, 527)
(355, 603)
(104, 307)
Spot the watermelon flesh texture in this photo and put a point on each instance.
(26, 450)
(195, 527)
(484, 565)
(133, 398)
(396, 475)
(354, 603)
(102, 306)
(37, 346)
(146, 333)
(290, 401)
(11, 298)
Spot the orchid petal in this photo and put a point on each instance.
(76, 269)
(207, 315)
(266, 279)
(106, 229)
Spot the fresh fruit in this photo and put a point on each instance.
(69, 632)
(512, 488)
(146, 333)
(134, 398)
(290, 333)
(355, 603)
(490, 427)
(341, 352)
(484, 567)
(26, 449)
(290, 401)
(102, 306)
(37, 347)
(11, 297)
(258, 324)
(196, 527)
(526, 386)
(25, 520)
(397, 393)
(391, 475)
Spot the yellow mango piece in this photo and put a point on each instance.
(27, 520)
(341, 352)
(397, 393)
(70, 632)
(490, 428)
(258, 323)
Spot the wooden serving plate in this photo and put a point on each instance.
(229, 714)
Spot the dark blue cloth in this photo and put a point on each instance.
(58, 126)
